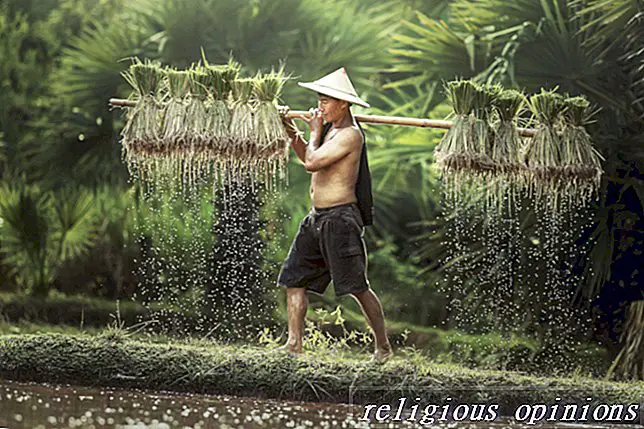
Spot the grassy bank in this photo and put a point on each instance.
(80, 314)
(480, 351)
(82, 311)
(115, 360)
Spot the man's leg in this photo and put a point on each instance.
(372, 309)
(297, 303)
(304, 265)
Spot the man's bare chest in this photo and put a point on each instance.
(329, 136)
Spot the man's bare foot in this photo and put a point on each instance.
(292, 349)
(382, 354)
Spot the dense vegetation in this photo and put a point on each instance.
(72, 223)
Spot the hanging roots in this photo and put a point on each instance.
(142, 133)
(203, 120)
(581, 163)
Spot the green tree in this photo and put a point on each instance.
(585, 47)
(580, 46)
(41, 230)
(256, 33)
(31, 112)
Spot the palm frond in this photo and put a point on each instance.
(76, 222)
(25, 234)
(619, 26)
(496, 14)
(611, 19)
(362, 32)
(90, 67)
(437, 49)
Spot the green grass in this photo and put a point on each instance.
(79, 314)
(482, 351)
(75, 310)
(82, 312)
(115, 358)
(25, 327)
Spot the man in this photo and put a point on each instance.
(329, 244)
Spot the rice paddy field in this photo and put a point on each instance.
(32, 405)
(204, 384)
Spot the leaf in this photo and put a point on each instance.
(76, 221)
(25, 233)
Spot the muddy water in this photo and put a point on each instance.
(52, 406)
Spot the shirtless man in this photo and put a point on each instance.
(329, 244)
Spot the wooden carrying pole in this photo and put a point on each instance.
(367, 119)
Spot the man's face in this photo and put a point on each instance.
(331, 108)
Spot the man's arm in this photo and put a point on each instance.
(299, 146)
(297, 141)
(343, 143)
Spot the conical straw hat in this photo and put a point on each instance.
(336, 85)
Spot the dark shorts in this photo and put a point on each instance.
(328, 246)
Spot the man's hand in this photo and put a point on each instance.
(314, 121)
(291, 128)
(297, 141)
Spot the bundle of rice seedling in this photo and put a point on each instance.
(187, 158)
(141, 135)
(271, 133)
(456, 150)
(200, 83)
(505, 149)
(273, 141)
(581, 162)
(243, 135)
(542, 154)
(218, 114)
(235, 152)
(174, 131)
(482, 132)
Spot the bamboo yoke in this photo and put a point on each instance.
(557, 161)
(366, 119)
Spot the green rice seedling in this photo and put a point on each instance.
(507, 141)
(543, 153)
(218, 111)
(199, 82)
(189, 158)
(455, 150)
(174, 131)
(582, 168)
(142, 130)
(273, 141)
(271, 134)
(236, 153)
(242, 125)
(482, 132)
(482, 169)
(504, 152)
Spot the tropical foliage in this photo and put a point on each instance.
(67, 204)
